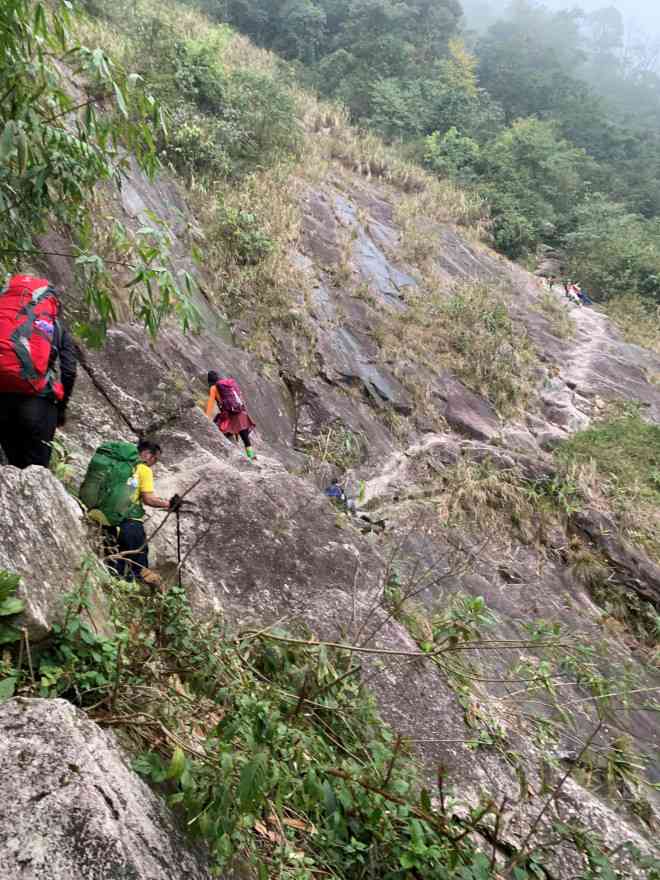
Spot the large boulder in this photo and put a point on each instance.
(260, 543)
(43, 539)
(72, 809)
(467, 413)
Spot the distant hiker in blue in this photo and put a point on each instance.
(582, 295)
(336, 494)
(335, 491)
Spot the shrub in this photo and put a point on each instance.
(488, 350)
(274, 754)
(191, 147)
(241, 235)
(613, 251)
(451, 155)
(559, 317)
(223, 122)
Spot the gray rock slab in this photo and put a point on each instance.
(72, 809)
(550, 438)
(520, 440)
(467, 413)
(348, 357)
(43, 539)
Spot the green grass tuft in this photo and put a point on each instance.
(626, 452)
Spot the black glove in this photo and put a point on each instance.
(175, 502)
(61, 416)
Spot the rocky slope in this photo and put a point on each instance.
(345, 391)
(74, 808)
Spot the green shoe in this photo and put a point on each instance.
(250, 453)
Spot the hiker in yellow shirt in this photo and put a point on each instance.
(131, 536)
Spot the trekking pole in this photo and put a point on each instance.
(178, 548)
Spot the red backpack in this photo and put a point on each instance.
(29, 337)
(230, 395)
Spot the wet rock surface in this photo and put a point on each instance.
(72, 809)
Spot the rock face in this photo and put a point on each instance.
(43, 539)
(467, 413)
(265, 545)
(261, 542)
(73, 810)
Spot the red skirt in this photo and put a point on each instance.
(234, 423)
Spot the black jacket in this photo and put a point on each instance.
(68, 362)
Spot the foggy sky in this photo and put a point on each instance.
(637, 14)
(644, 13)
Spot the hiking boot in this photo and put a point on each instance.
(151, 579)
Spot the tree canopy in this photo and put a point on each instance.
(68, 120)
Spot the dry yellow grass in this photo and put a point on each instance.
(637, 319)
(466, 329)
(485, 495)
(562, 323)
(267, 292)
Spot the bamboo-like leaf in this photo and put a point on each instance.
(177, 764)
(7, 687)
(251, 781)
(121, 101)
(22, 151)
(11, 606)
(7, 140)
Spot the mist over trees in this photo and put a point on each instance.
(639, 16)
(552, 114)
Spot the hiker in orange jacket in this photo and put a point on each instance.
(232, 419)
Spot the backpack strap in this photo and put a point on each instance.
(23, 331)
(55, 344)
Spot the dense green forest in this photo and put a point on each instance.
(545, 114)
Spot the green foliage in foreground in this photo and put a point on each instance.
(274, 754)
(269, 748)
(9, 607)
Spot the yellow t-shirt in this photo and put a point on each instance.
(142, 482)
(144, 477)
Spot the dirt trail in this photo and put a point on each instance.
(593, 337)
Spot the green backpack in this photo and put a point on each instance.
(107, 487)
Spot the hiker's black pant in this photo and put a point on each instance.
(27, 426)
(129, 538)
(245, 437)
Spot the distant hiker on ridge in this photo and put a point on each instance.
(232, 419)
(38, 363)
(584, 298)
(571, 295)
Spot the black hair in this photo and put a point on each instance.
(149, 446)
(212, 377)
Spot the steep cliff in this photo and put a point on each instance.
(503, 599)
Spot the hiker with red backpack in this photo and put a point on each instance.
(38, 363)
(232, 419)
